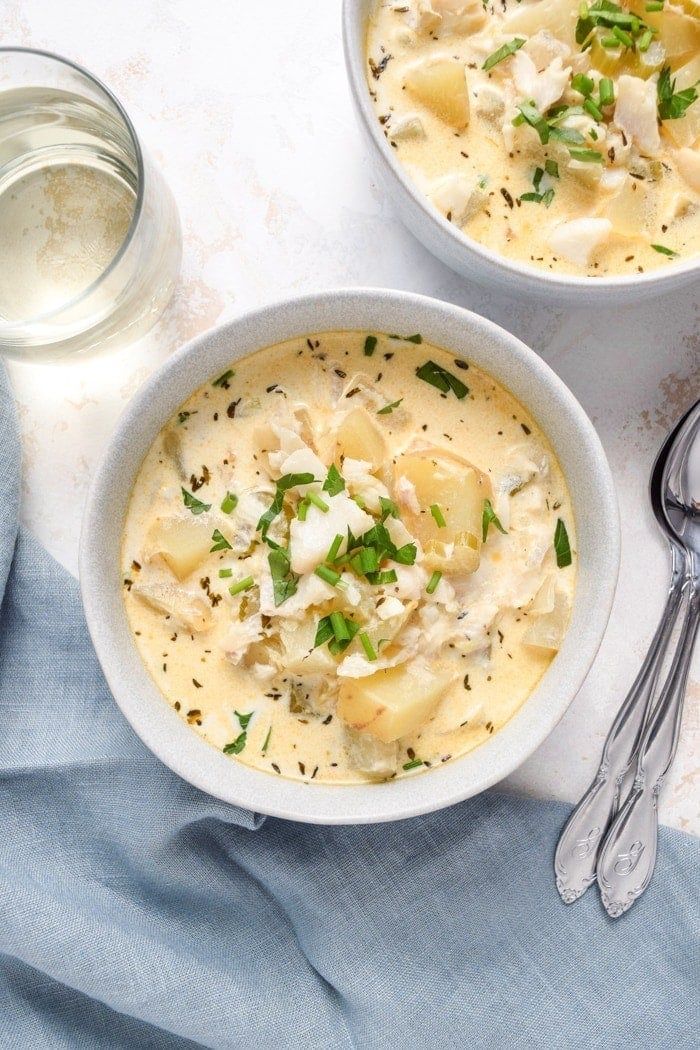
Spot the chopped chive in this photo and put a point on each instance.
(530, 114)
(243, 585)
(380, 579)
(369, 560)
(645, 40)
(439, 516)
(583, 84)
(417, 339)
(328, 575)
(610, 42)
(320, 504)
(607, 92)
(552, 168)
(413, 764)
(367, 646)
(370, 345)
(334, 547)
(225, 573)
(389, 408)
(267, 740)
(340, 627)
(433, 582)
(194, 504)
(489, 517)
(562, 547)
(623, 37)
(591, 108)
(503, 52)
(587, 156)
(405, 555)
(303, 509)
(662, 250)
(229, 503)
(654, 5)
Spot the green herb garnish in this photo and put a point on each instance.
(503, 52)
(284, 581)
(389, 508)
(439, 517)
(663, 250)
(389, 408)
(289, 481)
(433, 582)
(319, 504)
(673, 104)
(243, 719)
(529, 114)
(418, 339)
(223, 380)
(242, 585)
(224, 574)
(267, 740)
(220, 543)
(194, 504)
(562, 548)
(370, 345)
(367, 646)
(488, 518)
(587, 156)
(335, 482)
(439, 377)
(229, 503)
(334, 548)
(328, 575)
(413, 764)
(237, 746)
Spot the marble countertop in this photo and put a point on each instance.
(246, 109)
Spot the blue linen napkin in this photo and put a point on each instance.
(136, 911)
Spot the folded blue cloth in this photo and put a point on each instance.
(136, 911)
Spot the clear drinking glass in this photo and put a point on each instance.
(90, 240)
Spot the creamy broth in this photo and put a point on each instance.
(589, 180)
(417, 452)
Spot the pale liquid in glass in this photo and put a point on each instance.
(67, 197)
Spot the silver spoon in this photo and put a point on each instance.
(628, 854)
(577, 849)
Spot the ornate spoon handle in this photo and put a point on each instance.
(577, 849)
(628, 854)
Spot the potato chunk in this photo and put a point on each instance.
(358, 437)
(182, 543)
(441, 85)
(559, 17)
(459, 490)
(391, 703)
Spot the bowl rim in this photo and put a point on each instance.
(354, 16)
(489, 347)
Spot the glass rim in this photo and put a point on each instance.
(140, 174)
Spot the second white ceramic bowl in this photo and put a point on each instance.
(456, 249)
(575, 444)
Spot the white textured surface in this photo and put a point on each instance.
(246, 108)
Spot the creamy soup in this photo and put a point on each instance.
(561, 134)
(349, 557)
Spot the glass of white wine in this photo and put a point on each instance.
(90, 240)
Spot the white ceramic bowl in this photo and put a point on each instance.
(510, 362)
(456, 249)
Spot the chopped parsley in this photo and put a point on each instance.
(503, 52)
(289, 481)
(243, 719)
(488, 518)
(220, 543)
(389, 508)
(334, 482)
(562, 548)
(370, 345)
(284, 581)
(443, 380)
(389, 408)
(673, 104)
(194, 504)
(238, 744)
